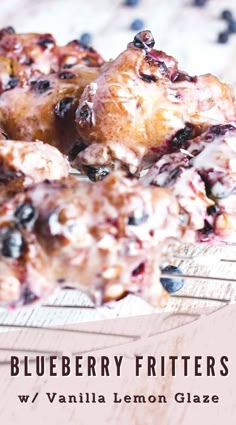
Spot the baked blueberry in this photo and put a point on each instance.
(45, 42)
(41, 86)
(181, 137)
(96, 173)
(25, 214)
(28, 297)
(213, 209)
(66, 75)
(137, 220)
(63, 107)
(12, 83)
(13, 244)
(144, 40)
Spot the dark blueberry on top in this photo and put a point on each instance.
(13, 244)
(136, 25)
(86, 38)
(46, 42)
(66, 75)
(25, 214)
(181, 137)
(137, 220)
(41, 86)
(174, 284)
(199, 3)
(227, 15)
(213, 209)
(223, 37)
(144, 40)
(132, 2)
(63, 107)
(232, 27)
(96, 173)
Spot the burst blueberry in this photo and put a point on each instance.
(137, 25)
(174, 284)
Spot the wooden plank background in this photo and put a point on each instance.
(187, 32)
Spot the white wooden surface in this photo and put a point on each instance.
(187, 32)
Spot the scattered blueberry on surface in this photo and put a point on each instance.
(199, 3)
(232, 27)
(137, 25)
(132, 2)
(172, 285)
(223, 37)
(86, 38)
(227, 15)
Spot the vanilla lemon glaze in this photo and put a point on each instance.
(216, 162)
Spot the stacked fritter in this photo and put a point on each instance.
(203, 179)
(106, 239)
(133, 113)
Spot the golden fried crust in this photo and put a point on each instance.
(138, 105)
(45, 108)
(29, 55)
(24, 163)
